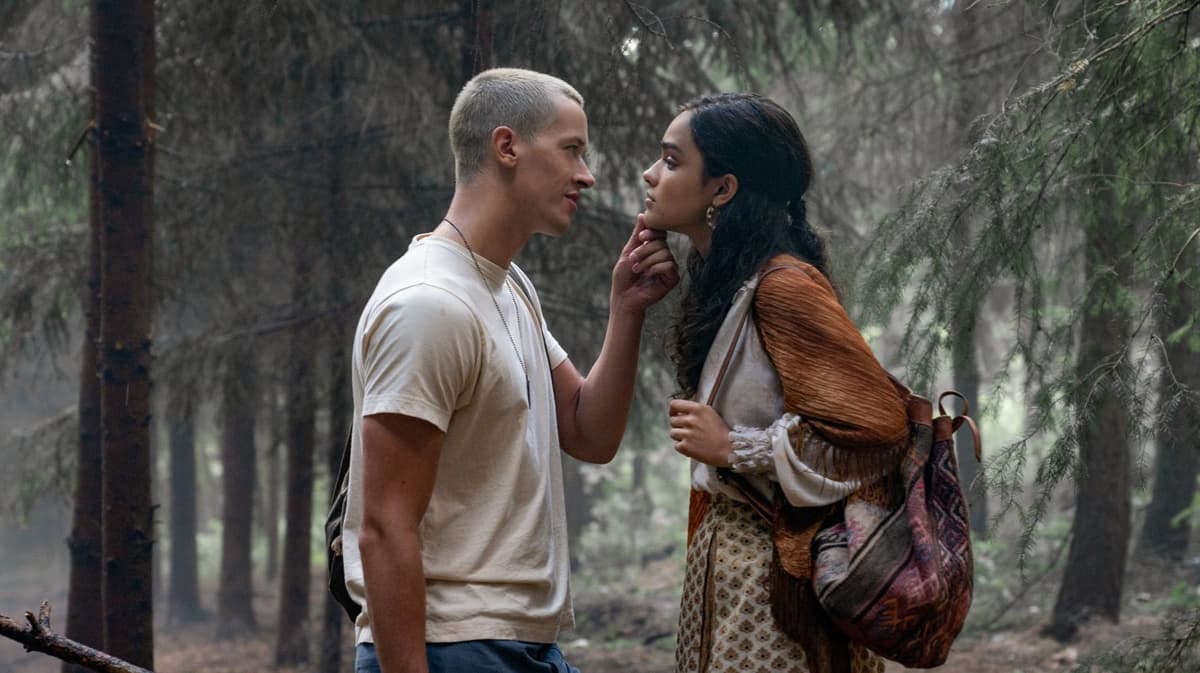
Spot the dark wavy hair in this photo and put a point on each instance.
(756, 140)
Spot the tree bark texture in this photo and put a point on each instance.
(579, 509)
(340, 412)
(1095, 568)
(1177, 461)
(235, 608)
(478, 34)
(184, 592)
(38, 637)
(963, 350)
(270, 517)
(85, 611)
(292, 637)
(123, 62)
(340, 403)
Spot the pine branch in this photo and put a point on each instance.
(38, 637)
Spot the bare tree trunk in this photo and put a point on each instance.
(578, 508)
(340, 403)
(292, 638)
(146, 35)
(84, 608)
(478, 33)
(1095, 569)
(963, 348)
(184, 593)
(235, 607)
(270, 517)
(1177, 461)
(123, 63)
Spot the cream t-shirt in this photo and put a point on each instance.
(430, 344)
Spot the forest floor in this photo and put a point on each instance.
(627, 631)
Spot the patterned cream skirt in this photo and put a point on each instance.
(725, 623)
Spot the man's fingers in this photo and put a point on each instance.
(634, 240)
(643, 258)
(678, 434)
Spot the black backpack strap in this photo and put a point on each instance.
(343, 472)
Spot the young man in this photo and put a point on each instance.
(455, 531)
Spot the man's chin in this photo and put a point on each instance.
(555, 230)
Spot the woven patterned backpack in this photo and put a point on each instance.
(894, 570)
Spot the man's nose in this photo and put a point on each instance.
(585, 179)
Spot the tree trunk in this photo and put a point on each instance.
(1095, 569)
(235, 607)
(1177, 461)
(340, 411)
(478, 32)
(124, 61)
(963, 348)
(292, 637)
(184, 593)
(84, 609)
(340, 402)
(578, 507)
(270, 517)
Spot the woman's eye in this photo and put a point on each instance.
(670, 162)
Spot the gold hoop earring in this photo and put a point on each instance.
(708, 217)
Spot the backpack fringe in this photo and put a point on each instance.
(797, 613)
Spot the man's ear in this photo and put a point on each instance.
(727, 186)
(504, 141)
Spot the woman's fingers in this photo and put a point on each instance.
(677, 407)
(681, 420)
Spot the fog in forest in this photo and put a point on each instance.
(1008, 191)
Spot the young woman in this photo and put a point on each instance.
(777, 384)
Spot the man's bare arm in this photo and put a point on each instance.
(400, 458)
(592, 411)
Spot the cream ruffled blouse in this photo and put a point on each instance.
(751, 401)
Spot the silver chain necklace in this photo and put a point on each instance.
(511, 340)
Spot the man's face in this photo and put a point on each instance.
(551, 172)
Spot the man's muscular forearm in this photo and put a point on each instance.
(396, 593)
(400, 456)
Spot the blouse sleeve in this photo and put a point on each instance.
(784, 450)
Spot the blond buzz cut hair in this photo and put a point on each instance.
(522, 100)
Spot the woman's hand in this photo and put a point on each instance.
(700, 433)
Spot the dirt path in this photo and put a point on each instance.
(630, 632)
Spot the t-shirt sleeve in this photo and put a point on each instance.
(557, 353)
(421, 355)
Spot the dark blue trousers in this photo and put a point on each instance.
(479, 656)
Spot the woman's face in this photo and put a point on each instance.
(678, 193)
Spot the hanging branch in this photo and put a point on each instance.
(38, 637)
